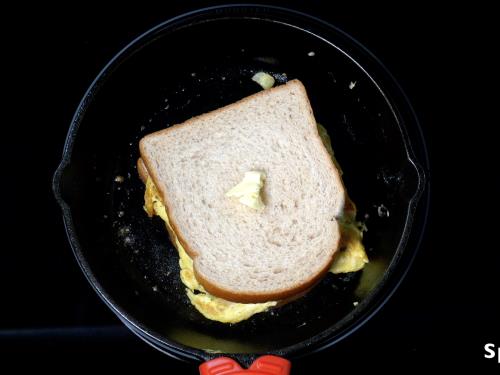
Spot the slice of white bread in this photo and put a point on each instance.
(241, 254)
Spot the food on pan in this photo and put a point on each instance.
(253, 201)
(265, 80)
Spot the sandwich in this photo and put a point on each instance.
(253, 201)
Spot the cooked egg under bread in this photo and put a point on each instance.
(351, 258)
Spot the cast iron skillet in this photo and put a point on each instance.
(201, 61)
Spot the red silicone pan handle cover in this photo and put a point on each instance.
(265, 365)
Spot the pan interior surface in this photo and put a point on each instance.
(194, 68)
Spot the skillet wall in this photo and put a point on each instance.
(132, 258)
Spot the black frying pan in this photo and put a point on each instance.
(201, 61)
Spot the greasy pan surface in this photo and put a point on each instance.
(200, 62)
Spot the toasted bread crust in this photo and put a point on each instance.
(209, 286)
(143, 172)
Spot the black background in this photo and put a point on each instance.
(446, 309)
